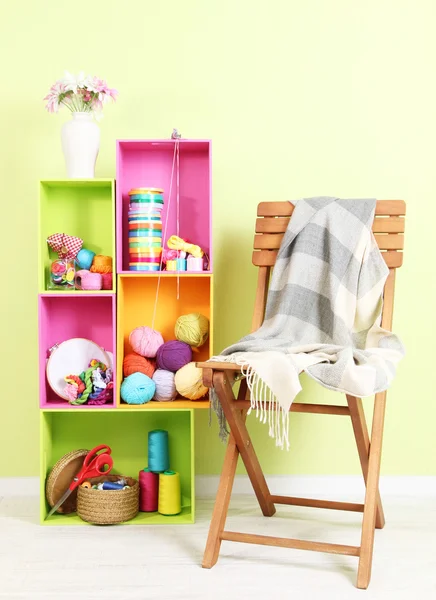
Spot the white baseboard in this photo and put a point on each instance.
(324, 486)
(341, 487)
(19, 486)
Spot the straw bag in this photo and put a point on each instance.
(107, 507)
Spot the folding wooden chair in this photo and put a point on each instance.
(273, 218)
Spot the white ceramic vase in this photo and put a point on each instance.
(80, 144)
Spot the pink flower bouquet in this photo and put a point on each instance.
(79, 94)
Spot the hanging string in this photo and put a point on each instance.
(178, 214)
(176, 153)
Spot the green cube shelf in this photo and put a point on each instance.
(126, 432)
(78, 207)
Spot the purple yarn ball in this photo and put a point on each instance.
(173, 355)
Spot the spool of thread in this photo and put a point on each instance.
(112, 485)
(148, 491)
(145, 341)
(171, 265)
(85, 280)
(106, 281)
(165, 386)
(135, 363)
(181, 264)
(189, 382)
(170, 496)
(101, 264)
(84, 258)
(173, 355)
(158, 451)
(193, 329)
(86, 484)
(194, 264)
(137, 389)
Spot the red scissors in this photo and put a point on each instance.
(97, 462)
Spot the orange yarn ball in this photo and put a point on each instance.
(101, 264)
(135, 363)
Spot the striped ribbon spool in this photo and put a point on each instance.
(135, 253)
(146, 208)
(145, 267)
(145, 245)
(146, 219)
(141, 197)
(137, 260)
(146, 190)
(147, 226)
(145, 234)
(145, 241)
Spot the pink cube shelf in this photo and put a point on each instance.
(148, 163)
(62, 317)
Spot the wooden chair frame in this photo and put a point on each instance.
(273, 218)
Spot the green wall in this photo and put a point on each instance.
(300, 98)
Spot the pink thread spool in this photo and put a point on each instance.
(148, 491)
(194, 264)
(107, 281)
(85, 280)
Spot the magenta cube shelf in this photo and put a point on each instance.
(149, 163)
(63, 316)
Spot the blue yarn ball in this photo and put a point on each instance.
(137, 388)
(84, 258)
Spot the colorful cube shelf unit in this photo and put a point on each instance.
(152, 163)
(79, 207)
(91, 210)
(125, 432)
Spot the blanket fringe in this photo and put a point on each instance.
(263, 401)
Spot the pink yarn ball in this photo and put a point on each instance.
(145, 341)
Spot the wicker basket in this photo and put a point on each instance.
(107, 507)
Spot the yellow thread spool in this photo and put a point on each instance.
(171, 265)
(170, 498)
(87, 485)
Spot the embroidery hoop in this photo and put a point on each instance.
(72, 357)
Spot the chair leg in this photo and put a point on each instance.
(224, 493)
(221, 507)
(238, 428)
(362, 440)
(370, 510)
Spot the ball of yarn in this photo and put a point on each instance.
(189, 382)
(173, 355)
(193, 329)
(145, 341)
(165, 386)
(107, 281)
(135, 363)
(84, 258)
(101, 264)
(137, 389)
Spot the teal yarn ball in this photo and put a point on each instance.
(84, 258)
(137, 388)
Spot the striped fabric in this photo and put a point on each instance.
(323, 313)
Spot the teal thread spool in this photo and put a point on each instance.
(158, 451)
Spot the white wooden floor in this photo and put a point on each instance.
(163, 562)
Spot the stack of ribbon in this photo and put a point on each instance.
(145, 229)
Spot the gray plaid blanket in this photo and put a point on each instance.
(323, 314)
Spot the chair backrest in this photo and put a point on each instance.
(271, 224)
